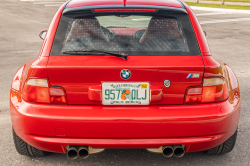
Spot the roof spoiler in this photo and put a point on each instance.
(85, 11)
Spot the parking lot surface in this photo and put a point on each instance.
(228, 35)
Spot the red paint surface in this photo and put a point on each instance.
(17, 80)
(94, 93)
(156, 93)
(233, 80)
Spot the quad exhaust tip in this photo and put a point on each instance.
(179, 151)
(75, 151)
(72, 152)
(167, 151)
(83, 152)
(176, 150)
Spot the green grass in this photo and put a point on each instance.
(218, 6)
(231, 0)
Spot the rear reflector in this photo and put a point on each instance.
(124, 10)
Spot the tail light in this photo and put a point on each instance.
(212, 90)
(37, 90)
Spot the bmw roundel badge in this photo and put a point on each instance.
(125, 74)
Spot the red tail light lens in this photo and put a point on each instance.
(57, 96)
(212, 90)
(37, 90)
(193, 95)
(124, 10)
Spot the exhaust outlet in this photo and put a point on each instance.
(72, 152)
(179, 151)
(167, 151)
(83, 152)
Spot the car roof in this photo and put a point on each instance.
(124, 3)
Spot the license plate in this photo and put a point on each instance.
(125, 93)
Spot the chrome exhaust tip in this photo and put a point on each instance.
(83, 152)
(179, 151)
(72, 152)
(167, 151)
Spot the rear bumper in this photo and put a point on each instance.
(53, 127)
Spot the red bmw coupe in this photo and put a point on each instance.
(124, 74)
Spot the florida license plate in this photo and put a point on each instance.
(125, 93)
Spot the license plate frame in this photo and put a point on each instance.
(125, 93)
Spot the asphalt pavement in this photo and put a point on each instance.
(228, 35)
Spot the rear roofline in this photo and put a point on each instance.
(125, 3)
(73, 6)
(71, 12)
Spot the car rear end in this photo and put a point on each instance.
(167, 94)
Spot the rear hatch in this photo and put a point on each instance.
(160, 43)
(76, 74)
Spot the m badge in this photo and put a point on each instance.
(193, 76)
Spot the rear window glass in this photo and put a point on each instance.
(130, 34)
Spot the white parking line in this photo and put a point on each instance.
(48, 1)
(54, 5)
(19, 52)
(226, 20)
(209, 14)
(41, 3)
(30, 0)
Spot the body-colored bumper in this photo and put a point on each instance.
(53, 127)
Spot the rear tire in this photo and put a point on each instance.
(225, 147)
(25, 149)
